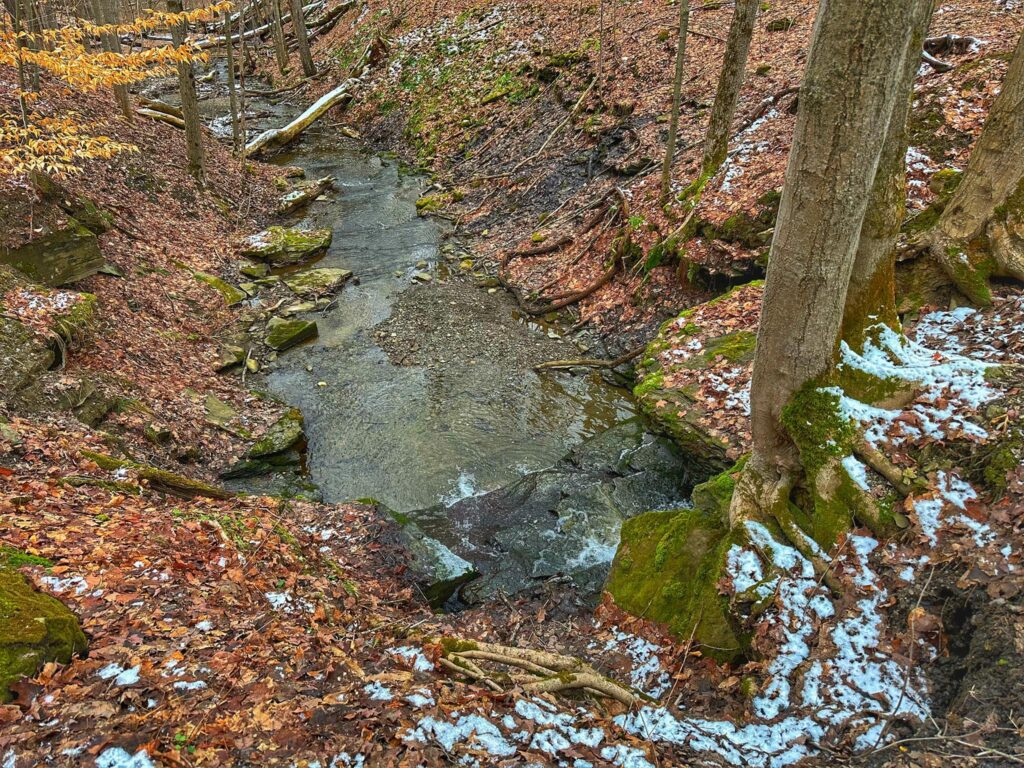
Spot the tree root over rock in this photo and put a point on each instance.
(547, 672)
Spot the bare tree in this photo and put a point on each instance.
(734, 64)
(981, 231)
(855, 78)
(280, 47)
(189, 102)
(677, 96)
(302, 38)
(236, 133)
(105, 12)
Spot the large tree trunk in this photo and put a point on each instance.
(737, 47)
(871, 297)
(981, 230)
(301, 38)
(236, 132)
(851, 87)
(677, 88)
(189, 102)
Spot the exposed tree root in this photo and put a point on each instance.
(548, 672)
(539, 250)
(584, 362)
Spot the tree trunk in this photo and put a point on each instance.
(677, 95)
(871, 297)
(105, 12)
(849, 94)
(236, 133)
(980, 233)
(734, 65)
(189, 102)
(301, 38)
(280, 47)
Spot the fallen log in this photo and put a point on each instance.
(340, 96)
(325, 22)
(162, 117)
(303, 196)
(217, 40)
(161, 106)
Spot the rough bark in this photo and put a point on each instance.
(106, 13)
(871, 297)
(280, 47)
(302, 38)
(734, 64)
(189, 102)
(847, 100)
(677, 89)
(236, 131)
(981, 233)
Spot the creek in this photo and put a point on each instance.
(423, 396)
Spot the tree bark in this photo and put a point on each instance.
(677, 94)
(236, 131)
(849, 94)
(280, 47)
(871, 297)
(189, 102)
(981, 231)
(301, 38)
(737, 47)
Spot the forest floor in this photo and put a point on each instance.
(267, 632)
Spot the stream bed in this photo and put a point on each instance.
(422, 395)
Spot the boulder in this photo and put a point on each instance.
(668, 566)
(57, 257)
(316, 282)
(280, 246)
(254, 269)
(35, 628)
(283, 334)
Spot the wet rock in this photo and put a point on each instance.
(159, 480)
(316, 282)
(563, 521)
(254, 269)
(438, 571)
(35, 628)
(230, 356)
(280, 246)
(228, 292)
(422, 277)
(298, 308)
(283, 334)
(284, 434)
(59, 256)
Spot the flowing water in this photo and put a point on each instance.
(469, 415)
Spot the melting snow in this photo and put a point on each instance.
(415, 657)
(116, 757)
(378, 692)
(121, 675)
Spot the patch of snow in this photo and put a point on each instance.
(121, 675)
(116, 757)
(646, 674)
(484, 734)
(205, 625)
(421, 698)
(378, 692)
(59, 585)
(415, 657)
(857, 472)
(189, 685)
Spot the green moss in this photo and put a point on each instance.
(34, 629)
(15, 558)
(228, 292)
(159, 479)
(668, 567)
(450, 645)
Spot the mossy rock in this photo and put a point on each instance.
(79, 207)
(58, 257)
(280, 246)
(284, 334)
(230, 356)
(160, 479)
(24, 356)
(35, 628)
(317, 282)
(228, 292)
(283, 435)
(254, 269)
(669, 564)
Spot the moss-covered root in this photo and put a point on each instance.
(160, 479)
(34, 629)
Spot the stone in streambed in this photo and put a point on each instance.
(284, 434)
(315, 282)
(283, 334)
(280, 246)
(230, 356)
(254, 269)
(438, 570)
(35, 628)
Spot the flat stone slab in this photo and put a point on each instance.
(281, 246)
(317, 282)
(283, 334)
(58, 257)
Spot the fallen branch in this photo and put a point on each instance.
(162, 117)
(550, 672)
(585, 362)
(340, 96)
(937, 64)
(161, 106)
